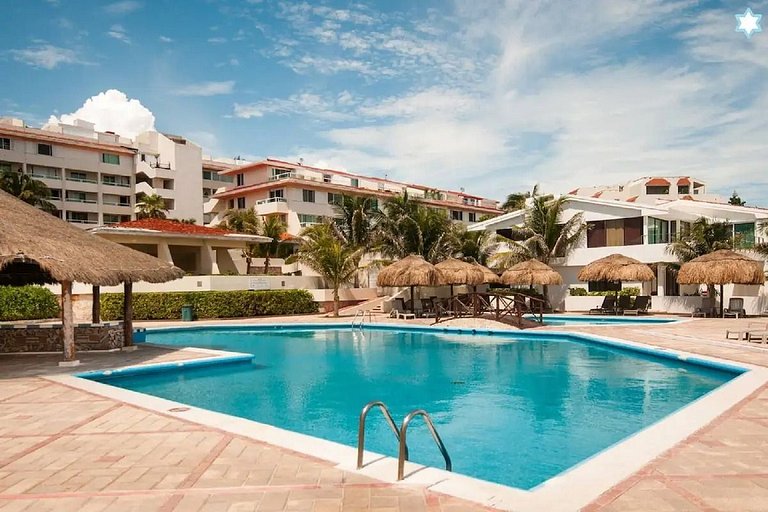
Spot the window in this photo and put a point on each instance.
(39, 171)
(604, 286)
(208, 192)
(231, 204)
(355, 182)
(336, 199)
(5, 143)
(143, 157)
(168, 184)
(5, 167)
(655, 190)
(308, 196)
(56, 194)
(326, 178)
(658, 231)
(124, 201)
(744, 235)
(78, 176)
(111, 218)
(308, 220)
(683, 189)
(241, 203)
(45, 149)
(374, 204)
(207, 175)
(472, 216)
(115, 181)
(110, 158)
(457, 215)
(240, 180)
(80, 218)
(277, 193)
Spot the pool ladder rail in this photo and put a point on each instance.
(400, 434)
(361, 316)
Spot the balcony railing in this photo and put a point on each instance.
(272, 200)
(46, 176)
(79, 200)
(115, 184)
(82, 221)
(115, 203)
(158, 165)
(81, 180)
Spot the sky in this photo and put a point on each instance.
(493, 96)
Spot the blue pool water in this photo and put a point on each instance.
(515, 409)
(602, 320)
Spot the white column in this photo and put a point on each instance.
(661, 281)
(164, 252)
(208, 262)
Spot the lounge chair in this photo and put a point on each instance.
(641, 307)
(625, 302)
(608, 306)
(735, 308)
(428, 308)
(399, 311)
(706, 309)
(754, 331)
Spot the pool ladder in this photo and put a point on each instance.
(361, 315)
(400, 435)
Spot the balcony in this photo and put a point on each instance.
(79, 200)
(82, 180)
(272, 205)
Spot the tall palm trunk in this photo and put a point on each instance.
(336, 299)
(266, 264)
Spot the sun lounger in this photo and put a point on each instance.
(399, 311)
(735, 308)
(625, 302)
(707, 308)
(608, 306)
(641, 307)
(754, 330)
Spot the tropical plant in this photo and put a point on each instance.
(26, 188)
(355, 223)
(735, 200)
(273, 227)
(475, 246)
(702, 238)
(518, 200)
(246, 222)
(326, 253)
(151, 207)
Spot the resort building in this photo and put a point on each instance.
(90, 174)
(214, 181)
(302, 195)
(651, 190)
(644, 231)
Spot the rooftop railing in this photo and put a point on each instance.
(272, 200)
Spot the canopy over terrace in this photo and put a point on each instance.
(38, 248)
(410, 271)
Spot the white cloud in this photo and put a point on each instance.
(46, 56)
(122, 7)
(330, 66)
(305, 104)
(165, 39)
(217, 40)
(206, 89)
(118, 32)
(112, 111)
(427, 103)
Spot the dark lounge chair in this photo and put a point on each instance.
(641, 307)
(608, 307)
(735, 308)
(625, 302)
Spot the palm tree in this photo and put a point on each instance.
(273, 227)
(355, 223)
(246, 222)
(151, 207)
(702, 238)
(327, 254)
(477, 246)
(517, 200)
(26, 188)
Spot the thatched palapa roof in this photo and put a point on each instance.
(489, 276)
(531, 272)
(36, 247)
(410, 271)
(616, 267)
(460, 272)
(722, 267)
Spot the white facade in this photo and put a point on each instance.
(651, 190)
(90, 174)
(644, 232)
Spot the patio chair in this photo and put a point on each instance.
(428, 308)
(625, 302)
(706, 309)
(735, 308)
(641, 307)
(399, 311)
(754, 331)
(606, 308)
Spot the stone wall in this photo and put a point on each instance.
(48, 337)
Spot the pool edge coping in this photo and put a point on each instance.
(582, 483)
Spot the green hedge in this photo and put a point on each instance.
(231, 304)
(582, 292)
(27, 303)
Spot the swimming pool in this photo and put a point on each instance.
(602, 320)
(515, 409)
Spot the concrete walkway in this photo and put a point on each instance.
(64, 449)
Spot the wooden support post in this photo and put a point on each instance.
(96, 306)
(67, 325)
(128, 314)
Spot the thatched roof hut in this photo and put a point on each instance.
(722, 267)
(531, 272)
(36, 247)
(616, 267)
(410, 271)
(489, 276)
(460, 272)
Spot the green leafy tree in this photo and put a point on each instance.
(476, 246)
(355, 222)
(517, 201)
(151, 207)
(248, 223)
(326, 253)
(26, 188)
(735, 200)
(273, 227)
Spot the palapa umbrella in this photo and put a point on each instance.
(616, 267)
(411, 271)
(722, 267)
(531, 272)
(459, 272)
(489, 276)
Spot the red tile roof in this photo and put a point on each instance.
(687, 198)
(172, 226)
(658, 182)
(683, 181)
(573, 192)
(597, 194)
(632, 199)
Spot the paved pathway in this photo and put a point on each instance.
(63, 449)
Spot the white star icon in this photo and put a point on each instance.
(749, 23)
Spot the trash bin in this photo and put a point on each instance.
(187, 313)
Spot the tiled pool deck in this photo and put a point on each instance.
(64, 449)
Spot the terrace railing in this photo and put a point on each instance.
(507, 308)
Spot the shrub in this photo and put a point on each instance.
(632, 290)
(229, 304)
(578, 292)
(27, 303)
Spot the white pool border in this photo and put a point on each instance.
(568, 491)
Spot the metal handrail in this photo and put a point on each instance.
(403, 453)
(361, 430)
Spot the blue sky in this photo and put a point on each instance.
(493, 96)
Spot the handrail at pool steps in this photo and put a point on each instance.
(361, 315)
(361, 428)
(403, 452)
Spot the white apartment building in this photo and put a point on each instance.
(90, 174)
(302, 195)
(651, 190)
(214, 181)
(644, 231)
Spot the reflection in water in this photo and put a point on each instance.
(512, 411)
